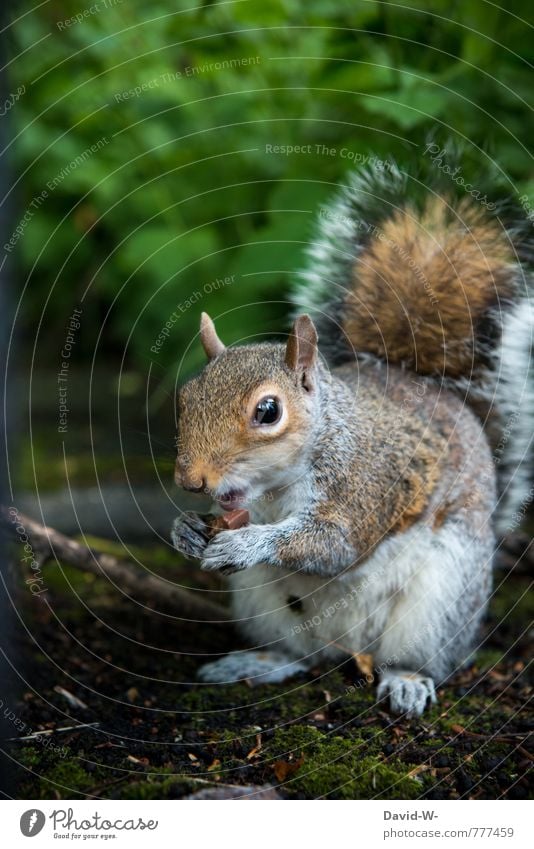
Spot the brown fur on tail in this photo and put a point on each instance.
(423, 284)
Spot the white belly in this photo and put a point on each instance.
(307, 616)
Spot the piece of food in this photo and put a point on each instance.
(191, 533)
(230, 521)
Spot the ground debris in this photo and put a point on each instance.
(157, 734)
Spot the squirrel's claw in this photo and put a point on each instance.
(408, 692)
(228, 552)
(188, 535)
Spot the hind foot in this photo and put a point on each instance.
(408, 692)
(257, 667)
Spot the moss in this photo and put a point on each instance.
(52, 470)
(63, 580)
(158, 558)
(308, 698)
(487, 658)
(469, 713)
(68, 778)
(215, 698)
(337, 767)
(64, 778)
(355, 703)
(512, 601)
(172, 787)
(29, 757)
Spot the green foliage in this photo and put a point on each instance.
(182, 190)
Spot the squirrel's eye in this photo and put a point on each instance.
(267, 412)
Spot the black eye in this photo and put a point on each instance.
(267, 412)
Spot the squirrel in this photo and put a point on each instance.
(381, 450)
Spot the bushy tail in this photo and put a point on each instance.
(433, 274)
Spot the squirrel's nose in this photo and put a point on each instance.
(194, 486)
(191, 483)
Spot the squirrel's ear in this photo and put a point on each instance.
(301, 349)
(208, 336)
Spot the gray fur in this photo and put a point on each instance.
(256, 667)
(501, 392)
(372, 525)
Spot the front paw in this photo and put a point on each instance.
(232, 551)
(189, 535)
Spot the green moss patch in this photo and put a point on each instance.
(337, 767)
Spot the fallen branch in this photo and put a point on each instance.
(50, 545)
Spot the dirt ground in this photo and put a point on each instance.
(124, 676)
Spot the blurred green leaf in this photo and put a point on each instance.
(189, 96)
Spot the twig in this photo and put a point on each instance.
(496, 738)
(73, 701)
(525, 753)
(49, 544)
(37, 734)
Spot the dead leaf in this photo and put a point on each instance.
(495, 675)
(364, 664)
(134, 760)
(284, 769)
(418, 769)
(215, 765)
(397, 733)
(257, 748)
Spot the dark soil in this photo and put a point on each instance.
(159, 734)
